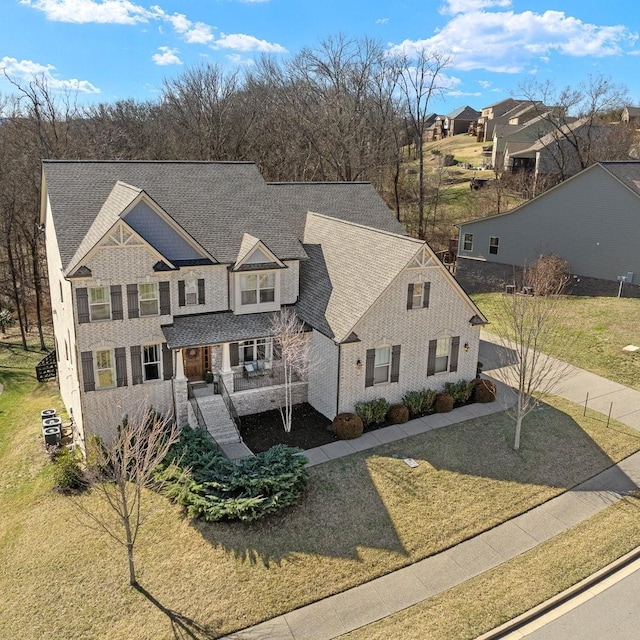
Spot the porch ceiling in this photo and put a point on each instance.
(213, 328)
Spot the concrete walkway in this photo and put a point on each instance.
(379, 598)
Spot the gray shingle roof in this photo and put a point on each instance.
(214, 202)
(355, 202)
(349, 267)
(465, 113)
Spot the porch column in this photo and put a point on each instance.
(226, 358)
(179, 368)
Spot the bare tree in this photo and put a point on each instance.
(529, 327)
(419, 79)
(290, 342)
(119, 472)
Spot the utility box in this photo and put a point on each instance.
(47, 413)
(52, 436)
(52, 422)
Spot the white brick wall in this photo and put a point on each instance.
(323, 374)
(259, 400)
(389, 322)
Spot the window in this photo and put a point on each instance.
(151, 362)
(418, 295)
(493, 245)
(259, 350)
(443, 348)
(190, 292)
(148, 298)
(105, 369)
(467, 243)
(257, 288)
(99, 304)
(382, 365)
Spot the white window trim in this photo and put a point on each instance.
(464, 242)
(141, 300)
(99, 304)
(440, 355)
(112, 368)
(418, 296)
(191, 289)
(151, 362)
(380, 366)
(268, 343)
(495, 246)
(257, 306)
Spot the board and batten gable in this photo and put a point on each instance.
(389, 322)
(591, 220)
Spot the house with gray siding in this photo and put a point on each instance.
(590, 220)
(165, 273)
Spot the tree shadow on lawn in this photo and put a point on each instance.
(181, 626)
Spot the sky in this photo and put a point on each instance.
(108, 50)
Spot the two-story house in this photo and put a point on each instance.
(163, 271)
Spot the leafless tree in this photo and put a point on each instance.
(119, 472)
(529, 327)
(419, 80)
(290, 343)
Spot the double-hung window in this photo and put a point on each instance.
(148, 299)
(382, 365)
(191, 291)
(467, 242)
(443, 349)
(259, 350)
(493, 245)
(105, 369)
(257, 289)
(151, 362)
(99, 304)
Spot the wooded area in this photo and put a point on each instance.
(343, 111)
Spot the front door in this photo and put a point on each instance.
(194, 366)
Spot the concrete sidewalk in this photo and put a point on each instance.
(379, 598)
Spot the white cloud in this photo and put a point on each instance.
(236, 58)
(27, 70)
(382, 20)
(96, 11)
(454, 7)
(193, 32)
(505, 41)
(485, 84)
(457, 93)
(166, 56)
(243, 42)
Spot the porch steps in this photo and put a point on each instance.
(217, 419)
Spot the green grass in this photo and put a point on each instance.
(597, 329)
(361, 517)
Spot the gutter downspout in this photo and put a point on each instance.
(338, 380)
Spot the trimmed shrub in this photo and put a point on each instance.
(484, 390)
(413, 401)
(460, 391)
(347, 426)
(67, 472)
(398, 414)
(443, 402)
(428, 400)
(197, 476)
(372, 411)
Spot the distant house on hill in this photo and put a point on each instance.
(459, 120)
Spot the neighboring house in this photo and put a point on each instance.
(631, 115)
(458, 121)
(511, 112)
(162, 271)
(590, 220)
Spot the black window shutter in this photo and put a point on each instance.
(410, 296)
(116, 302)
(234, 355)
(165, 298)
(167, 362)
(87, 371)
(200, 290)
(136, 365)
(431, 362)
(82, 300)
(132, 301)
(121, 366)
(368, 370)
(395, 363)
(181, 296)
(453, 357)
(426, 292)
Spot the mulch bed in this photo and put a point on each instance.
(261, 431)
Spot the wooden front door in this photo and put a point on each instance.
(194, 366)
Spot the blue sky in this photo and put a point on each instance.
(118, 49)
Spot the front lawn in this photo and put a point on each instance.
(362, 516)
(598, 329)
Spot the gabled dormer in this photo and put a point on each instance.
(255, 279)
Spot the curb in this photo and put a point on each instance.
(561, 598)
